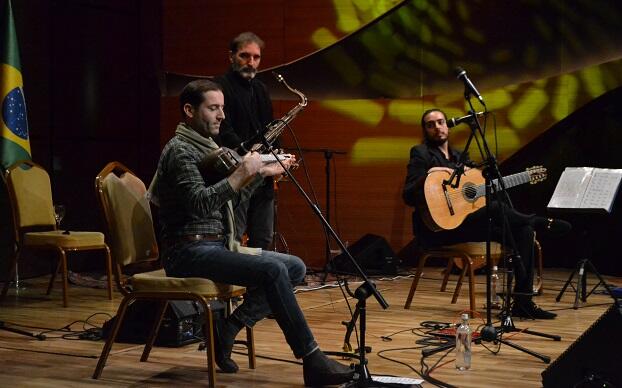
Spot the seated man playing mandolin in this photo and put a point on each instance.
(434, 158)
(196, 213)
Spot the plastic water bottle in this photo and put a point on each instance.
(463, 344)
(495, 300)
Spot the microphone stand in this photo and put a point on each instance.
(328, 156)
(3, 326)
(362, 293)
(491, 170)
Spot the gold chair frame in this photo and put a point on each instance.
(149, 287)
(44, 228)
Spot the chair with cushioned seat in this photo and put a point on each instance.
(129, 228)
(30, 194)
(468, 257)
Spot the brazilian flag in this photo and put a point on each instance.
(14, 140)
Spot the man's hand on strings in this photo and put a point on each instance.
(275, 168)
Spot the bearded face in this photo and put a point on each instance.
(246, 60)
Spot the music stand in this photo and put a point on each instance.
(585, 190)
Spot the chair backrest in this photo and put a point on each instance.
(30, 193)
(127, 214)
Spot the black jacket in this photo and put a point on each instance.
(248, 108)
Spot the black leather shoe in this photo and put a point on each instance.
(553, 226)
(319, 370)
(528, 309)
(223, 345)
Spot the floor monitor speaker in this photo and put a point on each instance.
(593, 359)
(372, 253)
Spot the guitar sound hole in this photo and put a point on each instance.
(469, 192)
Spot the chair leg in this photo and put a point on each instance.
(113, 335)
(250, 346)
(450, 266)
(208, 333)
(471, 286)
(63, 267)
(539, 268)
(154, 330)
(109, 271)
(465, 266)
(118, 278)
(53, 277)
(413, 286)
(12, 272)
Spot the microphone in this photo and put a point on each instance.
(469, 88)
(464, 119)
(246, 145)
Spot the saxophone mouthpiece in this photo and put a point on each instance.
(277, 76)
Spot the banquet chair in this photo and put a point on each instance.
(130, 233)
(30, 195)
(468, 257)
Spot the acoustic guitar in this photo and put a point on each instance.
(444, 207)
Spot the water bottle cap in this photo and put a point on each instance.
(494, 268)
(465, 316)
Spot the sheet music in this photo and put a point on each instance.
(602, 189)
(586, 188)
(397, 381)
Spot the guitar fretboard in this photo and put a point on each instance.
(508, 181)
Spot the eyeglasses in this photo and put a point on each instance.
(432, 123)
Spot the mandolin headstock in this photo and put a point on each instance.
(536, 174)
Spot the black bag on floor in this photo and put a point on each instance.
(182, 323)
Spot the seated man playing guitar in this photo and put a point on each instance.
(433, 157)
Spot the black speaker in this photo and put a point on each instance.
(593, 359)
(372, 253)
(182, 323)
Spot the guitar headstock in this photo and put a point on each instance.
(536, 174)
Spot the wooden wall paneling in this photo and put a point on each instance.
(368, 197)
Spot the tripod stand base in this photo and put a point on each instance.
(581, 288)
(40, 337)
(545, 359)
(489, 332)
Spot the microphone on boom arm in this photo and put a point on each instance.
(452, 122)
(246, 145)
(469, 88)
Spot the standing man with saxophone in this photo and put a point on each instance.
(248, 110)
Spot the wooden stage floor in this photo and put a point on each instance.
(65, 360)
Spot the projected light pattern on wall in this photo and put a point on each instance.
(535, 62)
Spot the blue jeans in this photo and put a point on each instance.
(269, 279)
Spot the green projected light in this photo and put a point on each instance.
(533, 69)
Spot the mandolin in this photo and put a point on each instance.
(224, 161)
(444, 207)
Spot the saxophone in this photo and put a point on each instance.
(224, 160)
(276, 127)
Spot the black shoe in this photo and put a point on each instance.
(552, 226)
(319, 370)
(224, 338)
(528, 309)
